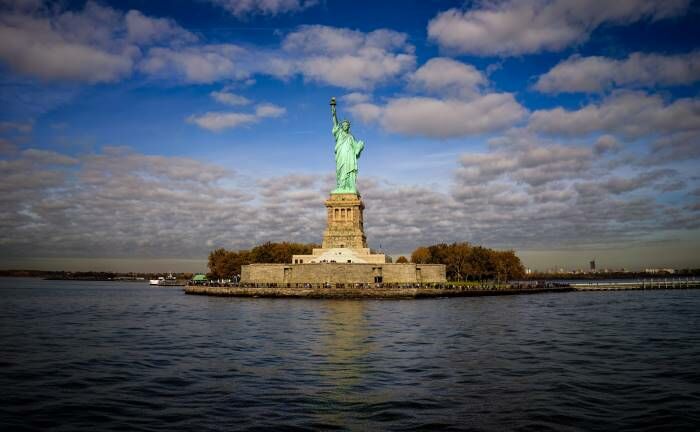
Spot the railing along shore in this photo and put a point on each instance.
(423, 290)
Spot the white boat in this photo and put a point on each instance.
(169, 280)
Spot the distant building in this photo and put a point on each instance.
(659, 271)
(593, 266)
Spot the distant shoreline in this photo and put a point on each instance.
(90, 275)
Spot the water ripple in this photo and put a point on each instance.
(121, 356)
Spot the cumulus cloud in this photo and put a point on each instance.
(597, 74)
(356, 98)
(530, 162)
(196, 64)
(347, 58)
(244, 8)
(341, 57)
(70, 45)
(47, 157)
(450, 100)
(448, 77)
(7, 147)
(630, 114)
(606, 144)
(616, 185)
(366, 111)
(101, 44)
(218, 121)
(514, 27)
(229, 98)
(116, 201)
(95, 44)
(269, 110)
(444, 118)
(679, 146)
(141, 29)
(521, 192)
(21, 127)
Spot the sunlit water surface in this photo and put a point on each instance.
(115, 356)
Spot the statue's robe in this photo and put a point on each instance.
(347, 151)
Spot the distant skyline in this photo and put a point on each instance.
(139, 135)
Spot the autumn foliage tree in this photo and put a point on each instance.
(466, 262)
(226, 264)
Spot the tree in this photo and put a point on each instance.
(226, 264)
(509, 266)
(401, 260)
(421, 255)
(457, 260)
(463, 261)
(482, 263)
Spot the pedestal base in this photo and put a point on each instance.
(344, 222)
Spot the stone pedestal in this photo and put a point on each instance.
(344, 239)
(345, 227)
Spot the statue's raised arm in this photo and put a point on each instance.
(335, 118)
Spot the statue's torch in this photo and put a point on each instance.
(333, 102)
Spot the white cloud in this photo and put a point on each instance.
(532, 162)
(449, 78)
(119, 203)
(218, 121)
(48, 157)
(101, 44)
(367, 112)
(197, 64)
(7, 147)
(21, 127)
(141, 29)
(356, 98)
(243, 8)
(347, 58)
(269, 110)
(444, 118)
(681, 146)
(229, 98)
(95, 44)
(515, 27)
(630, 114)
(51, 49)
(596, 74)
(606, 144)
(336, 56)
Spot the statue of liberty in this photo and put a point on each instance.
(347, 152)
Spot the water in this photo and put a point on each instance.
(115, 356)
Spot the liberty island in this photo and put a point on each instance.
(344, 257)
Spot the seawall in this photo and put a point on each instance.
(362, 292)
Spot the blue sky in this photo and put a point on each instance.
(139, 135)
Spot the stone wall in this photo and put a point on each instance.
(371, 291)
(342, 273)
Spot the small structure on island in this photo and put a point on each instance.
(199, 279)
(343, 257)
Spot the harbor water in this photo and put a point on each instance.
(125, 356)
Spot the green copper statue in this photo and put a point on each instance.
(347, 152)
